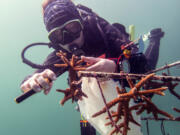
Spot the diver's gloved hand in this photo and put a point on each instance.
(38, 82)
(156, 33)
(100, 64)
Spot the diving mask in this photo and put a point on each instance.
(75, 46)
(66, 33)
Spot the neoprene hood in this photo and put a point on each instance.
(58, 12)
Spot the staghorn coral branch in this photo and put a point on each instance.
(144, 92)
(160, 93)
(109, 105)
(74, 92)
(123, 108)
(135, 107)
(79, 62)
(67, 95)
(129, 81)
(142, 82)
(119, 111)
(63, 57)
(115, 130)
(136, 88)
(171, 87)
(126, 118)
(72, 62)
(151, 107)
(67, 91)
(60, 65)
(177, 110)
(79, 68)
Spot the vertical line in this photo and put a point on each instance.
(147, 126)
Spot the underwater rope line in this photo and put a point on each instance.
(107, 110)
(162, 128)
(162, 124)
(147, 126)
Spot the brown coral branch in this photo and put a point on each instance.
(177, 110)
(144, 92)
(67, 95)
(109, 105)
(60, 65)
(74, 92)
(151, 107)
(79, 68)
(142, 82)
(129, 82)
(79, 62)
(171, 87)
(72, 62)
(123, 109)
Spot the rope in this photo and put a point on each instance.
(162, 128)
(147, 127)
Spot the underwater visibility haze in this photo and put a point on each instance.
(22, 24)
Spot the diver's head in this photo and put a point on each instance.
(64, 24)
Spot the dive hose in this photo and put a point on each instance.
(38, 66)
(33, 65)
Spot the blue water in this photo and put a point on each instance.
(21, 23)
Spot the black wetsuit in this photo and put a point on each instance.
(104, 38)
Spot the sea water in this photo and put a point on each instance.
(21, 23)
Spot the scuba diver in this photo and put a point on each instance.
(76, 29)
